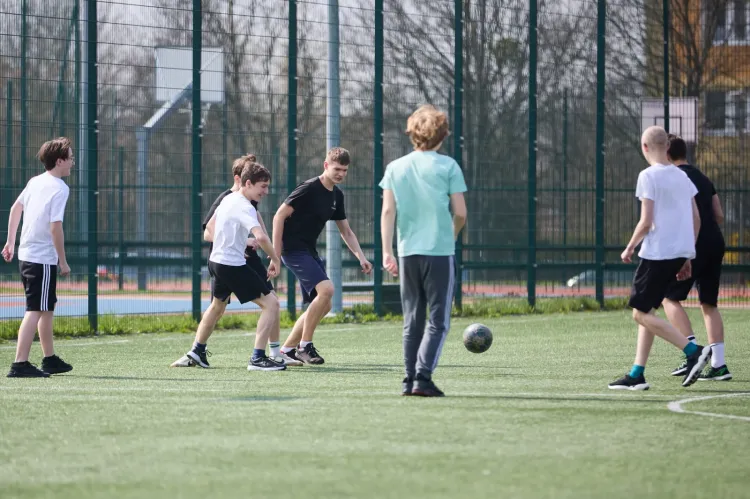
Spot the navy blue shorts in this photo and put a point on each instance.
(309, 271)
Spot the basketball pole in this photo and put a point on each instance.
(333, 136)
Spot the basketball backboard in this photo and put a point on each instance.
(683, 116)
(174, 70)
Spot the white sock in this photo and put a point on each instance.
(717, 354)
(286, 349)
(691, 339)
(274, 347)
(303, 344)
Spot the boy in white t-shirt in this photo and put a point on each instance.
(41, 251)
(229, 226)
(668, 233)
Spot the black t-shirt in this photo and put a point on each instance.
(709, 237)
(249, 253)
(314, 205)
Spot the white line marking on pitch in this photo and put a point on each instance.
(87, 344)
(676, 406)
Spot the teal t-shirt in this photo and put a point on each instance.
(422, 183)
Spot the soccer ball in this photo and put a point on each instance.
(477, 338)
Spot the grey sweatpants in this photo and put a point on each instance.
(425, 281)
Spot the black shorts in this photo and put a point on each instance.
(309, 271)
(40, 283)
(243, 281)
(706, 276)
(651, 281)
(254, 262)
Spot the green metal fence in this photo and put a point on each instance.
(547, 101)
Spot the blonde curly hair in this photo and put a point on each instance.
(427, 127)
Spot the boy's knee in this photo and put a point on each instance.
(325, 290)
(638, 316)
(270, 302)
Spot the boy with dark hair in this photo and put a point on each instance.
(40, 254)
(296, 228)
(418, 190)
(229, 227)
(706, 271)
(668, 233)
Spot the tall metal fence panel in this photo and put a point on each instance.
(546, 101)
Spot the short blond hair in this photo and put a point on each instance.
(241, 162)
(656, 138)
(427, 127)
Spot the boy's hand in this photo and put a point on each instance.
(390, 264)
(8, 250)
(627, 255)
(366, 266)
(64, 269)
(686, 271)
(253, 244)
(274, 268)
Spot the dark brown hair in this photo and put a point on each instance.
(52, 150)
(255, 172)
(239, 164)
(339, 155)
(677, 148)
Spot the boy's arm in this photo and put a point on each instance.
(252, 243)
(14, 219)
(696, 221)
(58, 239)
(387, 221)
(644, 225)
(208, 233)
(718, 212)
(458, 205)
(347, 234)
(265, 243)
(285, 211)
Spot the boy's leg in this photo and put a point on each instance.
(643, 346)
(51, 363)
(198, 354)
(295, 336)
(318, 309)
(414, 305)
(678, 317)
(267, 323)
(26, 334)
(708, 293)
(439, 281)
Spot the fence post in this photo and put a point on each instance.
(531, 254)
(377, 169)
(24, 88)
(458, 139)
(197, 133)
(601, 45)
(565, 169)
(291, 174)
(665, 35)
(9, 145)
(121, 222)
(91, 162)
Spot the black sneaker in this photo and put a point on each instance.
(628, 383)
(309, 355)
(716, 374)
(55, 365)
(681, 369)
(696, 363)
(200, 358)
(265, 364)
(26, 370)
(426, 388)
(408, 385)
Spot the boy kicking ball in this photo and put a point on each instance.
(669, 233)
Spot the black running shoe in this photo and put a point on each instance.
(681, 369)
(265, 364)
(716, 374)
(26, 370)
(200, 358)
(426, 388)
(309, 355)
(628, 383)
(55, 365)
(408, 385)
(696, 363)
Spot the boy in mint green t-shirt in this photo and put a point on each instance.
(419, 191)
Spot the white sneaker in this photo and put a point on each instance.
(183, 361)
(289, 361)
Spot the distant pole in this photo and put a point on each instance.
(333, 139)
(565, 167)
(9, 145)
(291, 175)
(665, 35)
(601, 79)
(377, 169)
(531, 223)
(91, 166)
(121, 221)
(83, 147)
(197, 187)
(24, 88)
(458, 139)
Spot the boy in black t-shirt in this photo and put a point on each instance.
(706, 274)
(296, 228)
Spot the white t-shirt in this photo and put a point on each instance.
(235, 218)
(671, 235)
(43, 201)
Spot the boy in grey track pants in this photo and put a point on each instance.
(419, 191)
